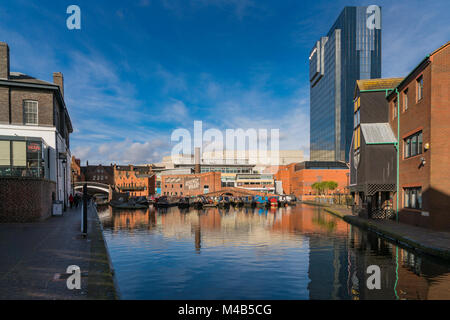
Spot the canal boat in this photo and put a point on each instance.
(196, 203)
(282, 201)
(142, 200)
(248, 201)
(239, 202)
(224, 202)
(130, 204)
(292, 200)
(273, 202)
(183, 203)
(165, 202)
(260, 201)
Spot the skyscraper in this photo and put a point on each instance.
(350, 51)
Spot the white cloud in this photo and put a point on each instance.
(124, 152)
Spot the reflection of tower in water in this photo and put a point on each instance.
(197, 234)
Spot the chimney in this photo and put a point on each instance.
(197, 168)
(4, 61)
(59, 80)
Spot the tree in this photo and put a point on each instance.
(323, 186)
(331, 185)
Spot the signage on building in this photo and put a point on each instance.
(34, 147)
(192, 183)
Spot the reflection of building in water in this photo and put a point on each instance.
(128, 219)
(327, 268)
(367, 249)
(338, 254)
(312, 221)
(404, 275)
(232, 228)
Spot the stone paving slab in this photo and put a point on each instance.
(33, 256)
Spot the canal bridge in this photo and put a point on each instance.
(93, 186)
(235, 192)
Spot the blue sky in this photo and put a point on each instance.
(139, 69)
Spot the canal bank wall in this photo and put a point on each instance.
(102, 284)
(434, 243)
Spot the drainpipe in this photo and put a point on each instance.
(398, 149)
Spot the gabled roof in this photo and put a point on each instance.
(378, 133)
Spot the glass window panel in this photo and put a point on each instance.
(420, 143)
(414, 146)
(19, 154)
(419, 198)
(406, 148)
(406, 202)
(5, 153)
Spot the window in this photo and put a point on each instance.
(419, 88)
(19, 154)
(405, 100)
(20, 158)
(413, 145)
(30, 112)
(5, 153)
(413, 198)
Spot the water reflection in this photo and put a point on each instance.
(285, 253)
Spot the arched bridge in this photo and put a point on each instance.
(93, 185)
(235, 192)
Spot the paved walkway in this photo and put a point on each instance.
(34, 258)
(432, 242)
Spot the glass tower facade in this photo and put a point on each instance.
(350, 51)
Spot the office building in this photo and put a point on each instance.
(350, 51)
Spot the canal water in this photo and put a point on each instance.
(298, 252)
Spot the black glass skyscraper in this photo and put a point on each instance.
(350, 51)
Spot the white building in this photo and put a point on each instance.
(34, 128)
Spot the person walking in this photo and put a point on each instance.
(71, 201)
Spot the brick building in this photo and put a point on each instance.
(137, 181)
(420, 104)
(75, 166)
(297, 178)
(190, 184)
(34, 143)
(98, 173)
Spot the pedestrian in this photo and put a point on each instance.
(76, 200)
(71, 200)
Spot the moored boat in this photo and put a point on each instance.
(224, 202)
(130, 204)
(183, 203)
(273, 202)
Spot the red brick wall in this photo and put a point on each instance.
(439, 193)
(299, 182)
(431, 115)
(210, 179)
(25, 199)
